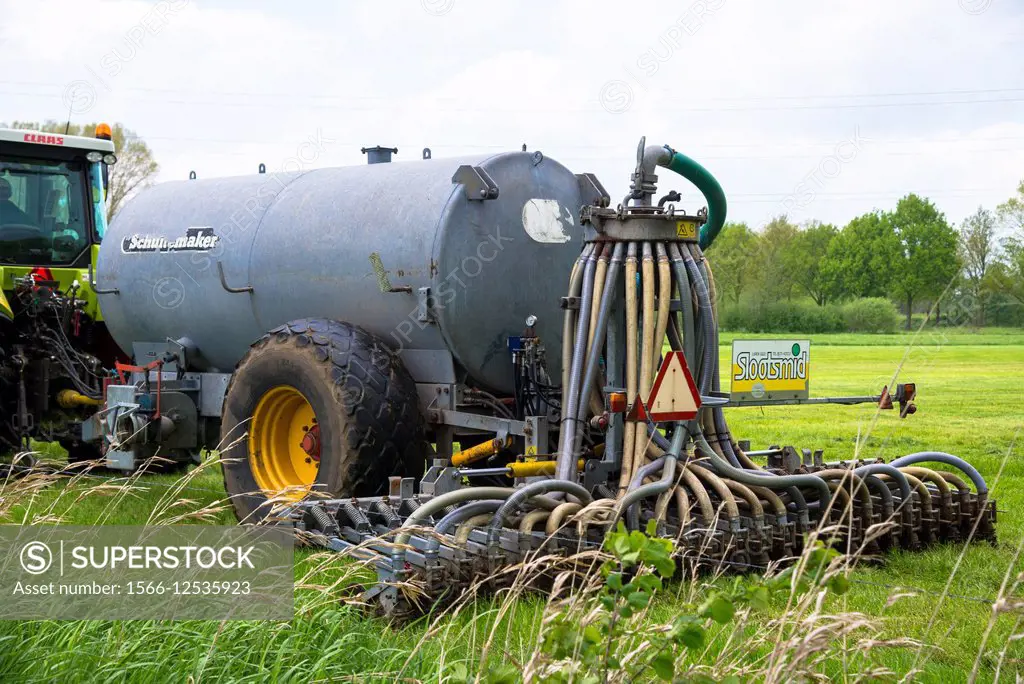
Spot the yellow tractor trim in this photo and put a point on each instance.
(5, 308)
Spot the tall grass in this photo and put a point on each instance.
(805, 634)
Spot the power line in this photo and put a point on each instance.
(547, 110)
(740, 98)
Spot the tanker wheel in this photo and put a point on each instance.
(317, 406)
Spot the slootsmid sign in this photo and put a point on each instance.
(770, 369)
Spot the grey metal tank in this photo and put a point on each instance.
(468, 247)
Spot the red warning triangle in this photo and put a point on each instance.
(637, 412)
(674, 395)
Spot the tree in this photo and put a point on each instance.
(804, 259)
(135, 168)
(977, 251)
(859, 260)
(732, 256)
(1007, 276)
(774, 243)
(1011, 212)
(927, 258)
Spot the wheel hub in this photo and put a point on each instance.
(284, 443)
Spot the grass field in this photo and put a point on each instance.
(971, 403)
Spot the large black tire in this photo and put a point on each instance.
(364, 399)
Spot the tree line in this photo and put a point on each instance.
(911, 255)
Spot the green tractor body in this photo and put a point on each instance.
(53, 344)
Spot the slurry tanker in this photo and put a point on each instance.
(440, 366)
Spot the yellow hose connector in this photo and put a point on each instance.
(71, 399)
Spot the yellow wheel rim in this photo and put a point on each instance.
(284, 444)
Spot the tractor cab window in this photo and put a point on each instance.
(43, 217)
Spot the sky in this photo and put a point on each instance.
(818, 110)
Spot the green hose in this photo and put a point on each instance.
(712, 191)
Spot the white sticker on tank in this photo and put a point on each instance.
(543, 221)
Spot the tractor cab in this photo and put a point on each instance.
(52, 207)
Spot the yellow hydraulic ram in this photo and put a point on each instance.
(480, 451)
(534, 468)
(71, 399)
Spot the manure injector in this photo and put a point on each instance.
(338, 331)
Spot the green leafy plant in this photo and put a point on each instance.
(595, 650)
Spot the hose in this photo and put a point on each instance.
(599, 274)
(732, 511)
(558, 515)
(571, 396)
(857, 487)
(708, 186)
(531, 519)
(641, 474)
(438, 503)
(775, 501)
(569, 320)
(532, 490)
(462, 534)
(686, 297)
(873, 482)
(596, 327)
(664, 302)
(646, 350)
(891, 471)
(748, 495)
(707, 510)
(632, 321)
(723, 467)
(949, 459)
(710, 351)
(667, 477)
(457, 516)
(594, 357)
(945, 495)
